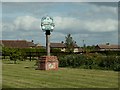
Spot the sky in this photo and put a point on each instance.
(93, 22)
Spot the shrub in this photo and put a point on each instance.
(90, 61)
(72, 60)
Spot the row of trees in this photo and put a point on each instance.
(19, 54)
(88, 60)
(22, 54)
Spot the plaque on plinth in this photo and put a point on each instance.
(48, 63)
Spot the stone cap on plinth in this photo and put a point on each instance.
(48, 58)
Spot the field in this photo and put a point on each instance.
(17, 76)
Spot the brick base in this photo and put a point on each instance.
(48, 63)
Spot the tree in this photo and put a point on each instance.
(5, 52)
(14, 54)
(69, 42)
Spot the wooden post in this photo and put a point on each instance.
(48, 42)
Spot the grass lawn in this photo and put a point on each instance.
(17, 76)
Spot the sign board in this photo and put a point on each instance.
(47, 23)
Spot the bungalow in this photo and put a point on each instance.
(38, 45)
(62, 47)
(107, 47)
(17, 44)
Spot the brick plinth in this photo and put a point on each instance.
(48, 63)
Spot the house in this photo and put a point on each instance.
(62, 47)
(17, 44)
(108, 47)
(38, 45)
(31, 44)
(77, 48)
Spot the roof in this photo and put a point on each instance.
(31, 44)
(61, 45)
(16, 43)
(102, 46)
(75, 45)
(38, 45)
(57, 45)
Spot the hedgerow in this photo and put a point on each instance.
(90, 61)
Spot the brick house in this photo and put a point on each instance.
(17, 43)
(108, 47)
(62, 47)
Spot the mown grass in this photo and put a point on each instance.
(17, 76)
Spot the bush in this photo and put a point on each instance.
(90, 61)
(71, 60)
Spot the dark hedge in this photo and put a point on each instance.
(90, 61)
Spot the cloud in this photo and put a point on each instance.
(66, 22)
(43, 0)
(105, 9)
(93, 23)
(8, 27)
(57, 36)
(60, 1)
(27, 23)
(75, 25)
(22, 23)
(101, 25)
(0, 26)
(109, 4)
(63, 24)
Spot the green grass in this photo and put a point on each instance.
(17, 76)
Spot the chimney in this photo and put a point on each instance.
(62, 42)
(107, 43)
(32, 41)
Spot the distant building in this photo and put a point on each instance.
(108, 47)
(38, 45)
(30, 44)
(17, 44)
(62, 47)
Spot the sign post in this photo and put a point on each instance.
(48, 42)
(47, 62)
(47, 26)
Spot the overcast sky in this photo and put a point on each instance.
(95, 23)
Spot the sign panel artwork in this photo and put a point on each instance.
(47, 23)
(51, 65)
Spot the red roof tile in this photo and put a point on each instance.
(109, 46)
(57, 45)
(61, 45)
(15, 43)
